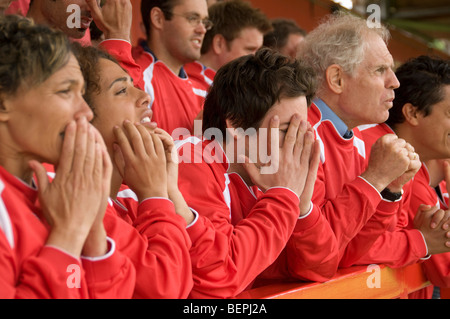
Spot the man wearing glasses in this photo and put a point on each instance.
(175, 31)
(238, 30)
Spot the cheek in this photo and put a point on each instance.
(281, 139)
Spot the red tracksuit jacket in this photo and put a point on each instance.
(355, 210)
(31, 269)
(401, 244)
(241, 231)
(176, 100)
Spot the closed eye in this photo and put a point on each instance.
(122, 91)
(67, 91)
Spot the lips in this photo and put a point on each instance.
(85, 22)
(389, 102)
(197, 42)
(146, 118)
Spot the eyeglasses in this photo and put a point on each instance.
(194, 20)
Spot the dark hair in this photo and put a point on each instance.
(230, 18)
(29, 53)
(246, 88)
(421, 83)
(88, 58)
(166, 7)
(282, 28)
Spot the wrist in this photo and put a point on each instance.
(374, 181)
(181, 207)
(306, 208)
(174, 193)
(150, 194)
(67, 240)
(117, 35)
(96, 243)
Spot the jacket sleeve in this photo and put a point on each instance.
(437, 270)
(312, 250)
(111, 276)
(311, 253)
(228, 257)
(158, 246)
(350, 210)
(436, 267)
(376, 226)
(43, 276)
(396, 249)
(400, 245)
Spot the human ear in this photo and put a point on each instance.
(231, 129)
(4, 108)
(411, 114)
(156, 18)
(218, 44)
(334, 77)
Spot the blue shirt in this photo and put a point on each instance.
(328, 114)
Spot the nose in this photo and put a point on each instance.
(84, 110)
(201, 28)
(144, 99)
(393, 81)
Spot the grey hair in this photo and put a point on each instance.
(339, 39)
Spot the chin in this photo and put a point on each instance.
(76, 34)
(382, 118)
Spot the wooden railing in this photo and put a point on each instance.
(368, 282)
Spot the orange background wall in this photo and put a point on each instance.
(307, 14)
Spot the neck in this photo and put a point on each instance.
(164, 55)
(436, 171)
(12, 158)
(209, 61)
(332, 100)
(406, 132)
(17, 166)
(232, 152)
(116, 182)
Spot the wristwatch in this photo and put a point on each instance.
(387, 194)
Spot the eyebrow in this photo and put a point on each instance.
(192, 13)
(73, 82)
(69, 81)
(122, 79)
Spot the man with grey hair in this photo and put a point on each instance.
(359, 196)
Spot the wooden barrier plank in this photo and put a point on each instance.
(362, 282)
